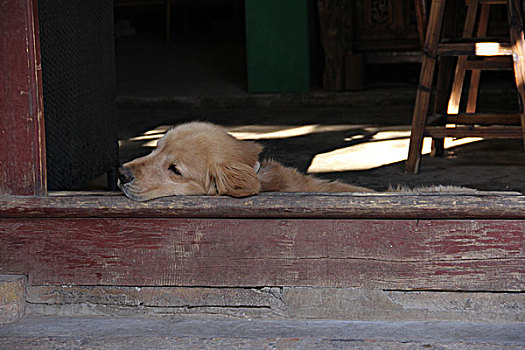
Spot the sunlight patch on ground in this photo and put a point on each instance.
(384, 148)
(255, 132)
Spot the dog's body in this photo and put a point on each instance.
(202, 158)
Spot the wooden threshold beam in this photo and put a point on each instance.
(493, 205)
(466, 255)
(375, 241)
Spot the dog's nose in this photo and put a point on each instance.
(124, 175)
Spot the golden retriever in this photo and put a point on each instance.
(200, 158)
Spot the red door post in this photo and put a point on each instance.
(22, 138)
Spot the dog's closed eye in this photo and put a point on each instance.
(174, 170)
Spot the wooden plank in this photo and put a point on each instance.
(22, 149)
(491, 205)
(495, 132)
(386, 254)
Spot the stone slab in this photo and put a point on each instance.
(219, 333)
(277, 303)
(12, 298)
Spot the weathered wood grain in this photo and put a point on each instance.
(22, 151)
(489, 205)
(384, 254)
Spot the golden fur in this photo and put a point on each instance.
(202, 158)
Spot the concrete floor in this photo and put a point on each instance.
(359, 137)
(223, 333)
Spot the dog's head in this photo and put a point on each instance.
(191, 159)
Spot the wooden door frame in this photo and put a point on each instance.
(22, 137)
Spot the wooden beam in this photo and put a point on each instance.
(22, 140)
(485, 255)
(484, 205)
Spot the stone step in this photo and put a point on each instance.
(183, 332)
(12, 298)
(277, 303)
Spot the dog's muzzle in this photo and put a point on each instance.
(124, 175)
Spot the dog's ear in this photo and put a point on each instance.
(233, 179)
(248, 151)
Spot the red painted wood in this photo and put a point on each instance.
(387, 254)
(22, 157)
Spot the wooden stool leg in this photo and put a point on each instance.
(459, 77)
(425, 86)
(518, 47)
(446, 69)
(476, 74)
(445, 72)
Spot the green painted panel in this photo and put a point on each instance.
(277, 45)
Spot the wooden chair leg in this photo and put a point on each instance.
(425, 86)
(459, 76)
(446, 69)
(518, 47)
(476, 74)
(438, 147)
